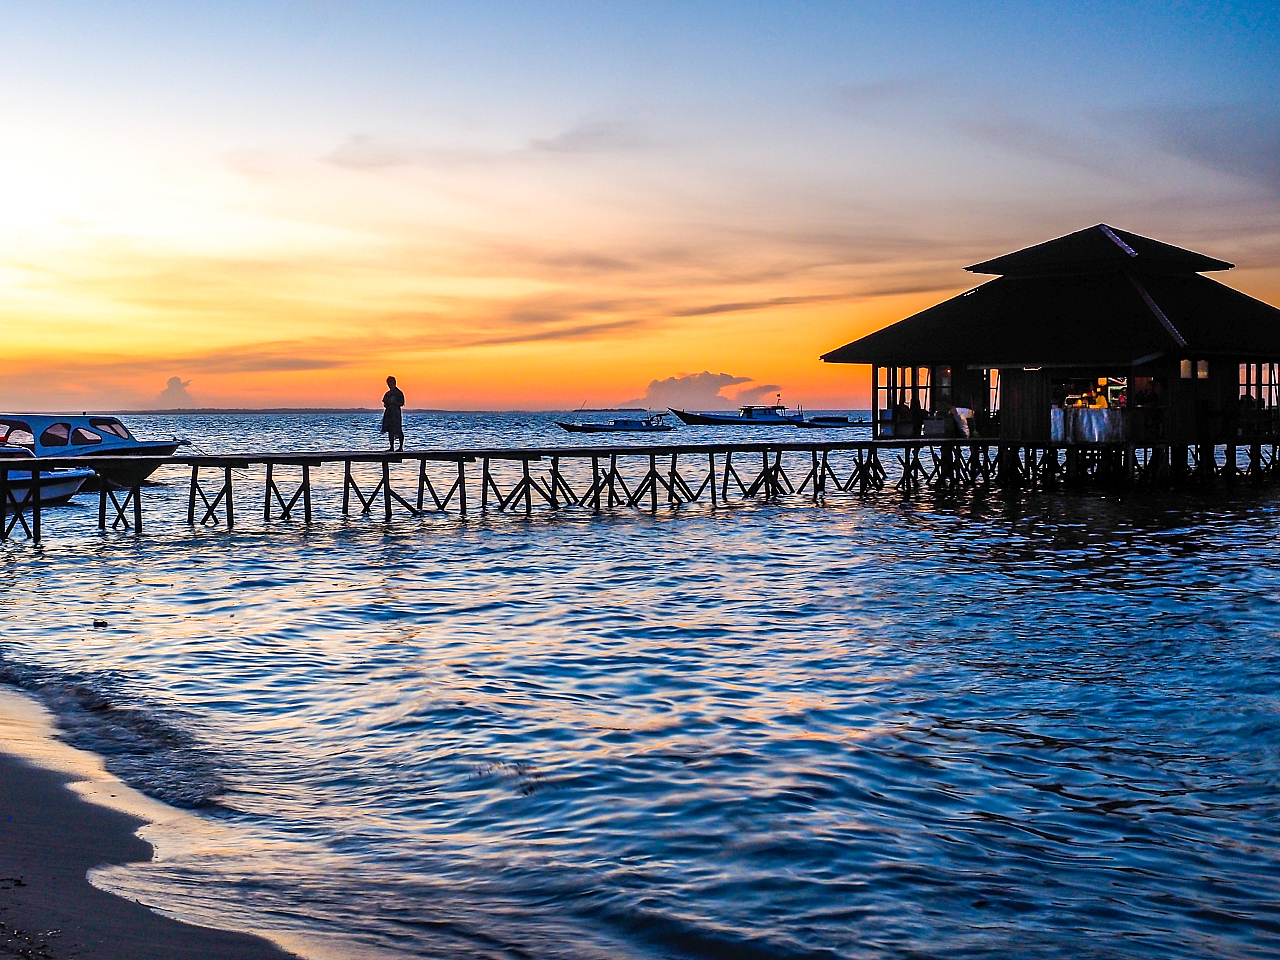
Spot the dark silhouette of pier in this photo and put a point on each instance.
(600, 478)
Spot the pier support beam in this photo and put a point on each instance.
(303, 493)
(222, 499)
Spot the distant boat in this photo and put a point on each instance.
(751, 415)
(831, 423)
(654, 423)
(67, 436)
(56, 486)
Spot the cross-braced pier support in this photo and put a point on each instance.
(389, 496)
(107, 494)
(13, 515)
(273, 491)
(223, 498)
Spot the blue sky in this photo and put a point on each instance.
(587, 189)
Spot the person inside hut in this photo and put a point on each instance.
(392, 423)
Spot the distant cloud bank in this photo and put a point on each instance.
(702, 391)
(175, 394)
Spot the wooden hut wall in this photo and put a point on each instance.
(1025, 398)
(1201, 409)
(969, 388)
(1180, 415)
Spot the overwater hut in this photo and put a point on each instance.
(1098, 336)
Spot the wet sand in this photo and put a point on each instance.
(49, 839)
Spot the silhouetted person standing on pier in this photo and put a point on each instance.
(392, 424)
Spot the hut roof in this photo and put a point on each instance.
(1103, 315)
(1096, 248)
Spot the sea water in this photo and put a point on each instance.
(938, 725)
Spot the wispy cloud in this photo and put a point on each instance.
(1027, 139)
(362, 151)
(600, 136)
(581, 331)
(870, 100)
(1241, 139)
(745, 305)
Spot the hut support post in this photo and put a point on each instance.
(711, 474)
(462, 488)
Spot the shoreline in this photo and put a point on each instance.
(62, 816)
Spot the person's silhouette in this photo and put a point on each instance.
(392, 423)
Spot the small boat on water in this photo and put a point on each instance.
(56, 486)
(831, 423)
(751, 415)
(654, 423)
(73, 436)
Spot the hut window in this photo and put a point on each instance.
(1260, 384)
(993, 391)
(942, 385)
(1202, 369)
(1186, 369)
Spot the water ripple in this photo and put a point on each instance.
(948, 726)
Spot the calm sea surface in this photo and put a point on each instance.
(944, 726)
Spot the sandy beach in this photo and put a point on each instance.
(49, 839)
(51, 836)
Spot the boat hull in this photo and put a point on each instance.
(125, 474)
(608, 428)
(56, 487)
(731, 420)
(832, 423)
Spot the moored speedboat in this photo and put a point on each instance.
(831, 423)
(56, 486)
(81, 436)
(751, 415)
(654, 423)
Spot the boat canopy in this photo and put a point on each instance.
(48, 435)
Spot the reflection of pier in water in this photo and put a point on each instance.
(606, 478)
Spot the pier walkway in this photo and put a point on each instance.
(609, 477)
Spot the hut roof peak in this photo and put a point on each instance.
(1099, 249)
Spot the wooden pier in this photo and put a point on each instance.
(605, 478)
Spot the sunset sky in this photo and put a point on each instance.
(541, 205)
